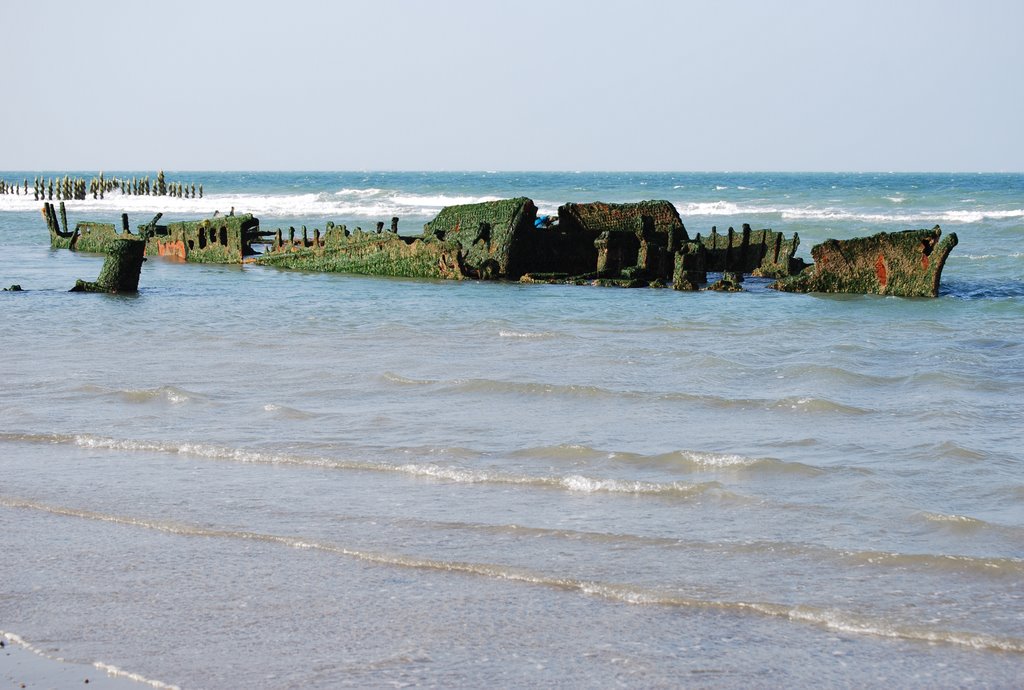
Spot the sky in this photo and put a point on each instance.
(861, 85)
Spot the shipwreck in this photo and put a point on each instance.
(625, 244)
(628, 245)
(221, 239)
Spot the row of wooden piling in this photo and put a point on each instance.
(277, 240)
(68, 187)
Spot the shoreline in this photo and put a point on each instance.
(22, 665)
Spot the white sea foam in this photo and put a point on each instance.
(713, 208)
(717, 460)
(831, 213)
(574, 483)
(112, 670)
(172, 394)
(438, 201)
(381, 204)
(370, 203)
(94, 209)
(372, 191)
(107, 668)
(452, 473)
(285, 412)
(844, 622)
(953, 519)
(583, 484)
(522, 334)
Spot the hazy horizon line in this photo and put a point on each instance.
(496, 171)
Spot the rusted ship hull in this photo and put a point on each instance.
(628, 245)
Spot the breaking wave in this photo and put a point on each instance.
(728, 208)
(372, 204)
(429, 470)
(729, 461)
(956, 521)
(168, 394)
(524, 334)
(285, 412)
(381, 204)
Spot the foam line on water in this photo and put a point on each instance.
(956, 216)
(830, 619)
(810, 405)
(573, 483)
(109, 669)
(989, 567)
(382, 204)
(372, 203)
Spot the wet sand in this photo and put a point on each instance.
(21, 667)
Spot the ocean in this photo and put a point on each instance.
(250, 477)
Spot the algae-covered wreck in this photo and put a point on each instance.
(221, 239)
(628, 245)
(906, 264)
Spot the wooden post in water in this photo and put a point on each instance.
(121, 268)
(50, 216)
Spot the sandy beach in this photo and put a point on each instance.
(22, 666)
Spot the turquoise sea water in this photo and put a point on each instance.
(247, 477)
